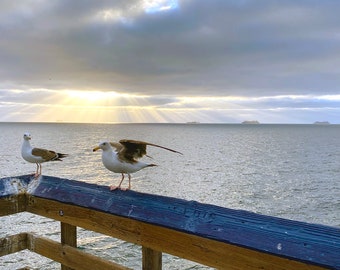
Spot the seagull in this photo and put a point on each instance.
(123, 157)
(38, 155)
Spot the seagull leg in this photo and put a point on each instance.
(113, 187)
(125, 189)
(37, 171)
(129, 181)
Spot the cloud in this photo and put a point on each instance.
(77, 106)
(190, 48)
(218, 59)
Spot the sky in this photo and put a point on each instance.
(170, 61)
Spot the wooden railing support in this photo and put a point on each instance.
(68, 237)
(152, 259)
(13, 244)
(214, 236)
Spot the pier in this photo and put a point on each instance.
(207, 234)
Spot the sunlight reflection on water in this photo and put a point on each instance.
(289, 171)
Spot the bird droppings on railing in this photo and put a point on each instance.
(34, 184)
(14, 185)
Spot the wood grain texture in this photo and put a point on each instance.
(65, 254)
(202, 250)
(12, 244)
(12, 204)
(152, 259)
(69, 256)
(13, 194)
(219, 237)
(307, 243)
(68, 237)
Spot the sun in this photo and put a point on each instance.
(95, 106)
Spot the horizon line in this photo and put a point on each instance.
(244, 123)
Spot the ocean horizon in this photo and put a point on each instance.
(284, 170)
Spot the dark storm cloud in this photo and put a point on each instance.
(217, 47)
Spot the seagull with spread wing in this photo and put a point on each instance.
(38, 155)
(123, 157)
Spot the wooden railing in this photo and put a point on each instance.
(214, 236)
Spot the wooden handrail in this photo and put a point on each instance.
(211, 235)
(70, 257)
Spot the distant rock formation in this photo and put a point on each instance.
(251, 122)
(321, 123)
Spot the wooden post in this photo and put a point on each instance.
(152, 259)
(68, 237)
(12, 244)
(215, 236)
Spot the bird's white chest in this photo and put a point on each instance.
(112, 163)
(26, 153)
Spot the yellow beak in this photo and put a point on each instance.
(96, 148)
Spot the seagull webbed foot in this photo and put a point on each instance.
(113, 187)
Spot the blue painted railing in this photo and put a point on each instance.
(299, 241)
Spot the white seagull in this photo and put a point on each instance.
(124, 159)
(38, 155)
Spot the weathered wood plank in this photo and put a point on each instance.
(12, 194)
(69, 256)
(68, 234)
(202, 250)
(152, 259)
(198, 232)
(12, 244)
(68, 237)
(307, 243)
(14, 185)
(12, 204)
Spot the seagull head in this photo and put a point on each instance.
(27, 136)
(104, 146)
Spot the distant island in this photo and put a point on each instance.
(321, 123)
(251, 122)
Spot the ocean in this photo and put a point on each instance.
(287, 171)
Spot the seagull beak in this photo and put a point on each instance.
(96, 148)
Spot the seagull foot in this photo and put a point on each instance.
(113, 187)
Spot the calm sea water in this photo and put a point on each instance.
(288, 171)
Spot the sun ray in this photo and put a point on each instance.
(91, 96)
(45, 105)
